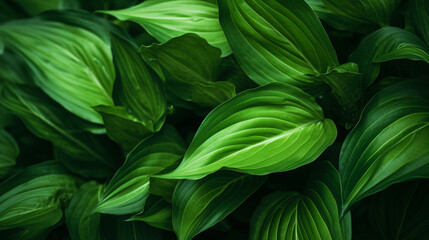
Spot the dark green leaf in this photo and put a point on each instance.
(81, 223)
(419, 11)
(268, 129)
(200, 204)
(311, 215)
(128, 190)
(191, 66)
(34, 197)
(389, 144)
(168, 19)
(8, 154)
(34, 7)
(157, 213)
(115, 227)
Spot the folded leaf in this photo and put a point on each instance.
(419, 11)
(128, 190)
(364, 11)
(277, 41)
(198, 205)
(386, 44)
(8, 154)
(80, 151)
(157, 213)
(73, 66)
(268, 129)
(389, 144)
(33, 198)
(400, 211)
(83, 225)
(311, 215)
(168, 19)
(191, 66)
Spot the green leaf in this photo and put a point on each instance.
(163, 187)
(33, 198)
(311, 215)
(386, 44)
(364, 11)
(80, 151)
(72, 65)
(115, 227)
(34, 7)
(389, 144)
(168, 19)
(128, 190)
(273, 128)
(200, 204)
(8, 154)
(139, 89)
(83, 225)
(156, 214)
(191, 66)
(25, 234)
(419, 11)
(400, 211)
(277, 41)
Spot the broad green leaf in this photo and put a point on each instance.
(313, 214)
(157, 213)
(139, 89)
(364, 11)
(200, 204)
(116, 227)
(34, 7)
(128, 190)
(400, 212)
(80, 151)
(386, 44)
(167, 19)
(122, 127)
(389, 144)
(73, 66)
(277, 41)
(83, 225)
(33, 198)
(273, 128)
(8, 153)
(419, 11)
(191, 66)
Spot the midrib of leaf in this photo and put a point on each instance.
(65, 134)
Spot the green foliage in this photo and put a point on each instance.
(214, 119)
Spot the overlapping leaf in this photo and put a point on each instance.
(157, 213)
(311, 215)
(191, 66)
(268, 129)
(168, 19)
(128, 190)
(33, 198)
(79, 150)
(277, 41)
(200, 204)
(386, 44)
(389, 144)
(73, 66)
(81, 223)
(8, 154)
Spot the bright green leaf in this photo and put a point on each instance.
(80, 151)
(128, 190)
(73, 66)
(389, 144)
(268, 129)
(83, 225)
(168, 19)
(277, 41)
(191, 66)
(200, 204)
(386, 44)
(311, 215)
(8, 154)
(34, 197)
